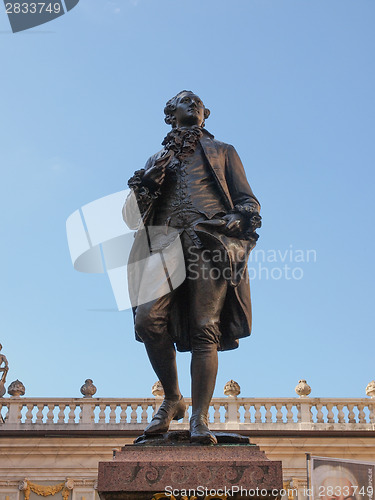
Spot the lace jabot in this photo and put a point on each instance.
(182, 141)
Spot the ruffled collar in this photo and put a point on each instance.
(183, 141)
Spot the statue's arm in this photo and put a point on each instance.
(142, 195)
(244, 201)
(130, 211)
(4, 360)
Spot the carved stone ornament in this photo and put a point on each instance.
(370, 389)
(22, 485)
(157, 390)
(303, 389)
(232, 389)
(16, 388)
(46, 490)
(69, 484)
(88, 389)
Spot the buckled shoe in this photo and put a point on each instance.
(169, 410)
(199, 431)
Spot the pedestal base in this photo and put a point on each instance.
(186, 470)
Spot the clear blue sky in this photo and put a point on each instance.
(290, 83)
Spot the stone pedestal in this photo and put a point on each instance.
(144, 472)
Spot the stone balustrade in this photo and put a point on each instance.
(226, 414)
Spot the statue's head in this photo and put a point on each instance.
(185, 110)
(1, 347)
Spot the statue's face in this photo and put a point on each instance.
(189, 110)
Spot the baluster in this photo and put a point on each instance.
(361, 413)
(79, 412)
(258, 413)
(341, 414)
(6, 416)
(144, 415)
(330, 415)
(268, 415)
(4, 411)
(29, 413)
(289, 413)
(247, 414)
(39, 414)
(102, 413)
(133, 415)
(71, 416)
(61, 414)
(112, 413)
(216, 413)
(155, 407)
(279, 413)
(185, 420)
(372, 412)
(20, 407)
(319, 415)
(299, 413)
(123, 415)
(351, 414)
(225, 406)
(49, 417)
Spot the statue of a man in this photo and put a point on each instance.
(4, 367)
(194, 187)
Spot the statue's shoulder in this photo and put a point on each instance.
(209, 139)
(153, 159)
(222, 145)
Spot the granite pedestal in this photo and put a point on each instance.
(147, 471)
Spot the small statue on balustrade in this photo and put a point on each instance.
(4, 369)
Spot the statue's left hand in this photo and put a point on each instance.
(234, 224)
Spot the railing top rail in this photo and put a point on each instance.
(151, 400)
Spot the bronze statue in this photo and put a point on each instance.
(195, 188)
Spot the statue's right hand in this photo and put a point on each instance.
(154, 176)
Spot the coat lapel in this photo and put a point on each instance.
(216, 161)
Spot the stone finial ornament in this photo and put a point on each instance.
(16, 389)
(157, 389)
(232, 389)
(88, 389)
(303, 389)
(370, 389)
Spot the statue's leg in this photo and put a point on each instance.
(151, 325)
(207, 291)
(204, 364)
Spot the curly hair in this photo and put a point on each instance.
(170, 109)
(322, 472)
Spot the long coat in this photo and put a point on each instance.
(237, 196)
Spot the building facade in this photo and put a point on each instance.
(53, 446)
